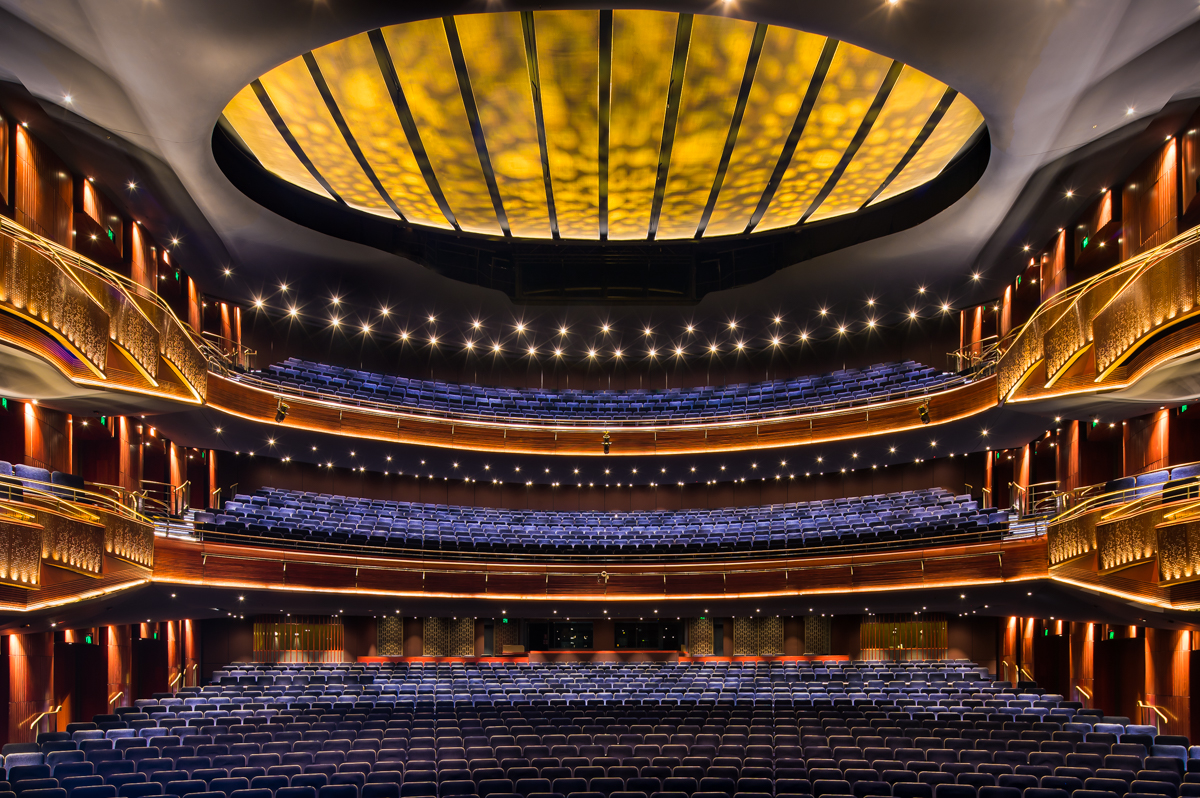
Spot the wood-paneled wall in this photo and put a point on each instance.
(1149, 200)
(44, 190)
(47, 438)
(30, 684)
(1145, 440)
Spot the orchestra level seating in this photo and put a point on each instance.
(274, 516)
(876, 383)
(704, 729)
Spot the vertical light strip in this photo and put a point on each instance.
(930, 124)
(604, 101)
(954, 130)
(421, 52)
(841, 105)
(716, 66)
(330, 104)
(472, 111)
(569, 67)
(294, 94)
(387, 68)
(281, 126)
(352, 75)
(798, 127)
(735, 124)
(535, 85)
(864, 128)
(683, 38)
(259, 132)
(641, 74)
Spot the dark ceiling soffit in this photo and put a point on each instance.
(323, 88)
(683, 39)
(931, 123)
(468, 97)
(864, 129)
(404, 113)
(280, 125)
(735, 124)
(801, 121)
(535, 85)
(515, 266)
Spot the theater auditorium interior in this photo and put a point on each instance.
(743, 399)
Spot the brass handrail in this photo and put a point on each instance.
(115, 697)
(51, 493)
(38, 719)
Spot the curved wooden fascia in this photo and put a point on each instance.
(241, 567)
(258, 405)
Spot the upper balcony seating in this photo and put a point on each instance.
(918, 729)
(1176, 484)
(848, 386)
(292, 517)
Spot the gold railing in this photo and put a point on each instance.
(85, 306)
(1114, 311)
(80, 525)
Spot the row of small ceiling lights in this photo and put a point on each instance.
(782, 472)
(521, 336)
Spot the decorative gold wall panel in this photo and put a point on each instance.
(1072, 538)
(770, 637)
(1073, 329)
(700, 637)
(1127, 540)
(127, 325)
(35, 287)
(1179, 552)
(179, 348)
(744, 637)
(129, 540)
(460, 637)
(1162, 291)
(20, 553)
(1027, 349)
(72, 543)
(818, 635)
(434, 639)
(390, 636)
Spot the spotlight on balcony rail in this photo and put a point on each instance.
(923, 412)
(607, 441)
(281, 411)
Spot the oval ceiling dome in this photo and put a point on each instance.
(601, 125)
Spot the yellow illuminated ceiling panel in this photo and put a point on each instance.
(419, 152)
(249, 119)
(357, 86)
(962, 119)
(494, 49)
(426, 71)
(907, 109)
(785, 67)
(294, 94)
(568, 49)
(846, 95)
(715, 67)
(642, 46)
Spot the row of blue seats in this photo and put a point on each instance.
(876, 383)
(302, 517)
